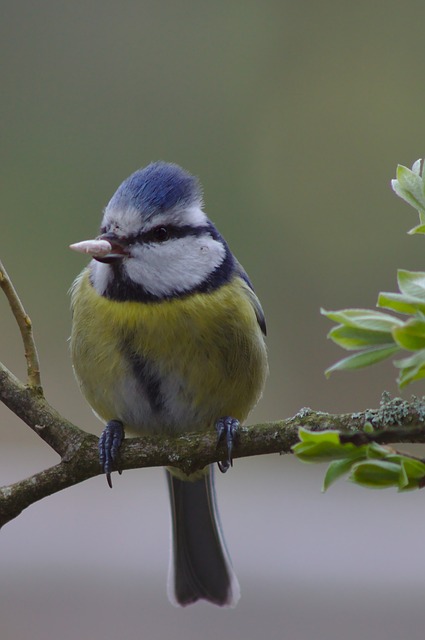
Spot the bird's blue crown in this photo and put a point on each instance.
(159, 187)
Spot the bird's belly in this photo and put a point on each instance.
(170, 367)
(145, 407)
(144, 401)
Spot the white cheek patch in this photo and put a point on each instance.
(101, 275)
(175, 266)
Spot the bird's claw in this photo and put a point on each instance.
(109, 446)
(227, 429)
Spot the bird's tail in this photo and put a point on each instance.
(200, 567)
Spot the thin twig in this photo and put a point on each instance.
(25, 327)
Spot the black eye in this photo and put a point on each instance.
(160, 234)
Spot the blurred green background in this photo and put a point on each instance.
(294, 115)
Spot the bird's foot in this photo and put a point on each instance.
(227, 429)
(109, 446)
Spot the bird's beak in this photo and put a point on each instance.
(104, 248)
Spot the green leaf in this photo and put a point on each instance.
(335, 470)
(413, 471)
(375, 450)
(419, 229)
(412, 368)
(416, 166)
(363, 359)
(411, 335)
(321, 446)
(352, 339)
(416, 360)
(412, 283)
(410, 375)
(395, 470)
(401, 303)
(409, 186)
(329, 435)
(414, 468)
(363, 319)
(403, 479)
(376, 474)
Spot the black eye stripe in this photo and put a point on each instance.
(163, 233)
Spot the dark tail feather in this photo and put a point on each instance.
(200, 566)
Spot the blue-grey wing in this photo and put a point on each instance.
(252, 297)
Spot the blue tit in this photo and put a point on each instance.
(168, 338)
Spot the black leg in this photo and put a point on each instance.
(227, 429)
(109, 446)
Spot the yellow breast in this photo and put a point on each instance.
(176, 365)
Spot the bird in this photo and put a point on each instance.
(168, 338)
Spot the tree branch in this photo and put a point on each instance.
(398, 420)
